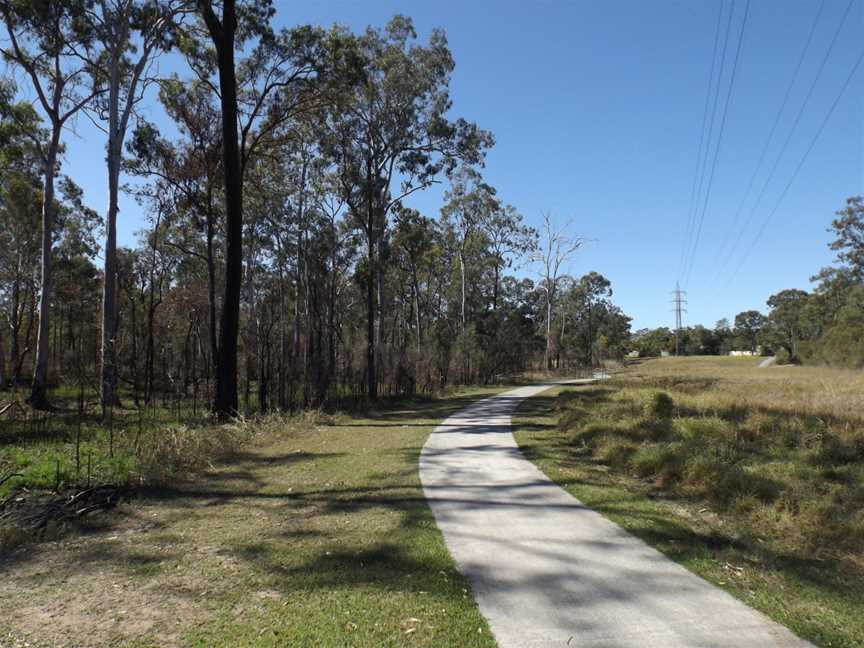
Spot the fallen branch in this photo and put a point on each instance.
(9, 406)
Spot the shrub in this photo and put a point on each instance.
(615, 452)
(177, 450)
(590, 432)
(783, 357)
(755, 427)
(660, 406)
(654, 429)
(722, 482)
(663, 461)
(572, 417)
(826, 449)
(710, 429)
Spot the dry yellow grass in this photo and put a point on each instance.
(722, 382)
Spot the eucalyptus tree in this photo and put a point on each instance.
(76, 293)
(390, 137)
(555, 250)
(258, 96)
(783, 327)
(508, 238)
(414, 239)
(131, 34)
(593, 291)
(46, 40)
(186, 187)
(470, 204)
(20, 200)
(848, 229)
(748, 326)
(223, 32)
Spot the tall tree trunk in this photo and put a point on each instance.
(136, 380)
(283, 338)
(371, 234)
(462, 279)
(379, 307)
(549, 346)
(371, 377)
(497, 280)
(16, 315)
(211, 290)
(38, 398)
(2, 362)
(331, 316)
(222, 34)
(151, 313)
(415, 286)
(108, 377)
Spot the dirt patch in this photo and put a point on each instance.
(98, 588)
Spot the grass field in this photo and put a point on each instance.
(315, 534)
(753, 478)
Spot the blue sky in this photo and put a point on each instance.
(597, 110)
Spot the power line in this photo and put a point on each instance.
(780, 111)
(800, 165)
(707, 150)
(692, 208)
(795, 123)
(719, 142)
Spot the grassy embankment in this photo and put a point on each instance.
(315, 533)
(752, 478)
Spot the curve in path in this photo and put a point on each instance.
(546, 570)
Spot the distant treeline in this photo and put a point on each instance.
(824, 326)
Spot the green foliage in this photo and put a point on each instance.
(748, 326)
(783, 356)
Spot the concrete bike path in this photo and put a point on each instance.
(546, 570)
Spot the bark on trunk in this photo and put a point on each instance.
(2, 362)
(108, 378)
(17, 315)
(371, 234)
(462, 278)
(549, 346)
(225, 403)
(38, 398)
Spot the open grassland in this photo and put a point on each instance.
(753, 478)
(315, 534)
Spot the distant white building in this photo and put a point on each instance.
(757, 352)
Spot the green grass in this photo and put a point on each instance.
(316, 535)
(59, 449)
(738, 481)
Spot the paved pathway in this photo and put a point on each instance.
(546, 570)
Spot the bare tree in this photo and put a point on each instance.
(557, 246)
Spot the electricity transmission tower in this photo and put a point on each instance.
(678, 300)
